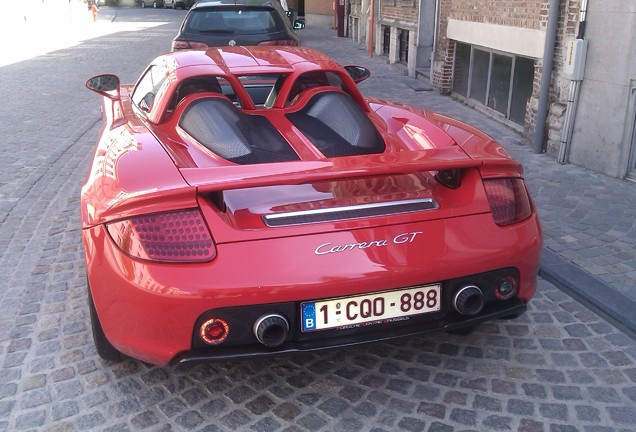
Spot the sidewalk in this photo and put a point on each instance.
(589, 220)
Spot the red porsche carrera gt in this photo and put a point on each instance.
(249, 201)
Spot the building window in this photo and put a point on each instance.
(500, 81)
(479, 70)
(522, 84)
(462, 69)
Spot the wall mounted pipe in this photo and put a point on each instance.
(435, 39)
(568, 123)
(546, 76)
(573, 100)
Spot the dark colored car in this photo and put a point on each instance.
(154, 3)
(174, 4)
(236, 22)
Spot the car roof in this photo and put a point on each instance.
(212, 3)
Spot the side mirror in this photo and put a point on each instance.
(358, 73)
(299, 25)
(106, 85)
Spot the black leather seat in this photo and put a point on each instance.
(235, 136)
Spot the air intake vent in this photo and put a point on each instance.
(349, 212)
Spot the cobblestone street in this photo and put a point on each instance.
(559, 368)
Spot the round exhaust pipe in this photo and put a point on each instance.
(469, 300)
(271, 330)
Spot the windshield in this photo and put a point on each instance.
(234, 21)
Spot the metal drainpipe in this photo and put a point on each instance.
(371, 33)
(435, 29)
(546, 76)
(573, 100)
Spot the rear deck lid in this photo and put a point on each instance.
(251, 202)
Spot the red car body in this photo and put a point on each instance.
(203, 241)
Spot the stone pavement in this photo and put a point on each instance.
(589, 220)
(559, 368)
(41, 30)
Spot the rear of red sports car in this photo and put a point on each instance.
(216, 228)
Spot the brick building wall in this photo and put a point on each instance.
(524, 14)
(515, 13)
(401, 19)
(405, 12)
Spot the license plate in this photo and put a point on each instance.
(366, 309)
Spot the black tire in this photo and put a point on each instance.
(104, 349)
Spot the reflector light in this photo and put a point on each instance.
(508, 199)
(506, 288)
(214, 331)
(280, 42)
(179, 236)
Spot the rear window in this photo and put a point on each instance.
(234, 21)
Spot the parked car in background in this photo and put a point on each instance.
(236, 22)
(154, 3)
(250, 201)
(175, 4)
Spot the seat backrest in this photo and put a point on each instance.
(337, 125)
(214, 123)
(233, 135)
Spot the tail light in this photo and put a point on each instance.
(509, 200)
(182, 45)
(280, 42)
(181, 236)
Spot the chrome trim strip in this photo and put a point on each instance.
(349, 212)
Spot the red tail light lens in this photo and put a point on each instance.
(509, 200)
(179, 236)
(280, 42)
(182, 45)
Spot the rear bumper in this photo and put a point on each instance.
(150, 311)
(512, 309)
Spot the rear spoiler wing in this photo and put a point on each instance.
(218, 179)
(303, 172)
